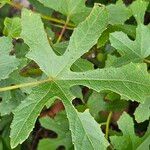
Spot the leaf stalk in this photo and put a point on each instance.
(107, 125)
(13, 87)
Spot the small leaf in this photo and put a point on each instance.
(75, 10)
(12, 27)
(96, 103)
(118, 13)
(131, 51)
(7, 106)
(131, 141)
(143, 109)
(61, 127)
(104, 38)
(138, 9)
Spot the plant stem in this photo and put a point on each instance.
(103, 123)
(61, 26)
(63, 30)
(13, 87)
(147, 61)
(107, 125)
(18, 6)
(57, 21)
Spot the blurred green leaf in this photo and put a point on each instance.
(129, 140)
(12, 27)
(60, 126)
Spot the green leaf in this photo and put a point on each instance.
(85, 132)
(7, 106)
(82, 65)
(3, 2)
(143, 109)
(21, 50)
(90, 30)
(7, 63)
(6, 96)
(74, 10)
(34, 106)
(77, 91)
(40, 8)
(104, 38)
(129, 140)
(131, 51)
(61, 127)
(12, 27)
(138, 9)
(27, 112)
(37, 40)
(97, 103)
(5, 45)
(1, 144)
(118, 13)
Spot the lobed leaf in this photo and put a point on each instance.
(85, 131)
(61, 127)
(132, 141)
(131, 51)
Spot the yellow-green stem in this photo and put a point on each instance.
(103, 123)
(61, 26)
(13, 87)
(107, 125)
(147, 61)
(63, 30)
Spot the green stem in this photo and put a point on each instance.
(61, 26)
(13, 87)
(147, 61)
(107, 125)
(103, 123)
(63, 30)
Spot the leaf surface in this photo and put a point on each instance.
(143, 108)
(138, 9)
(61, 127)
(118, 13)
(12, 27)
(27, 112)
(75, 10)
(131, 141)
(85, 131)
(131, 51)
(7, 63)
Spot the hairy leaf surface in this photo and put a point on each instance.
(85, 132)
